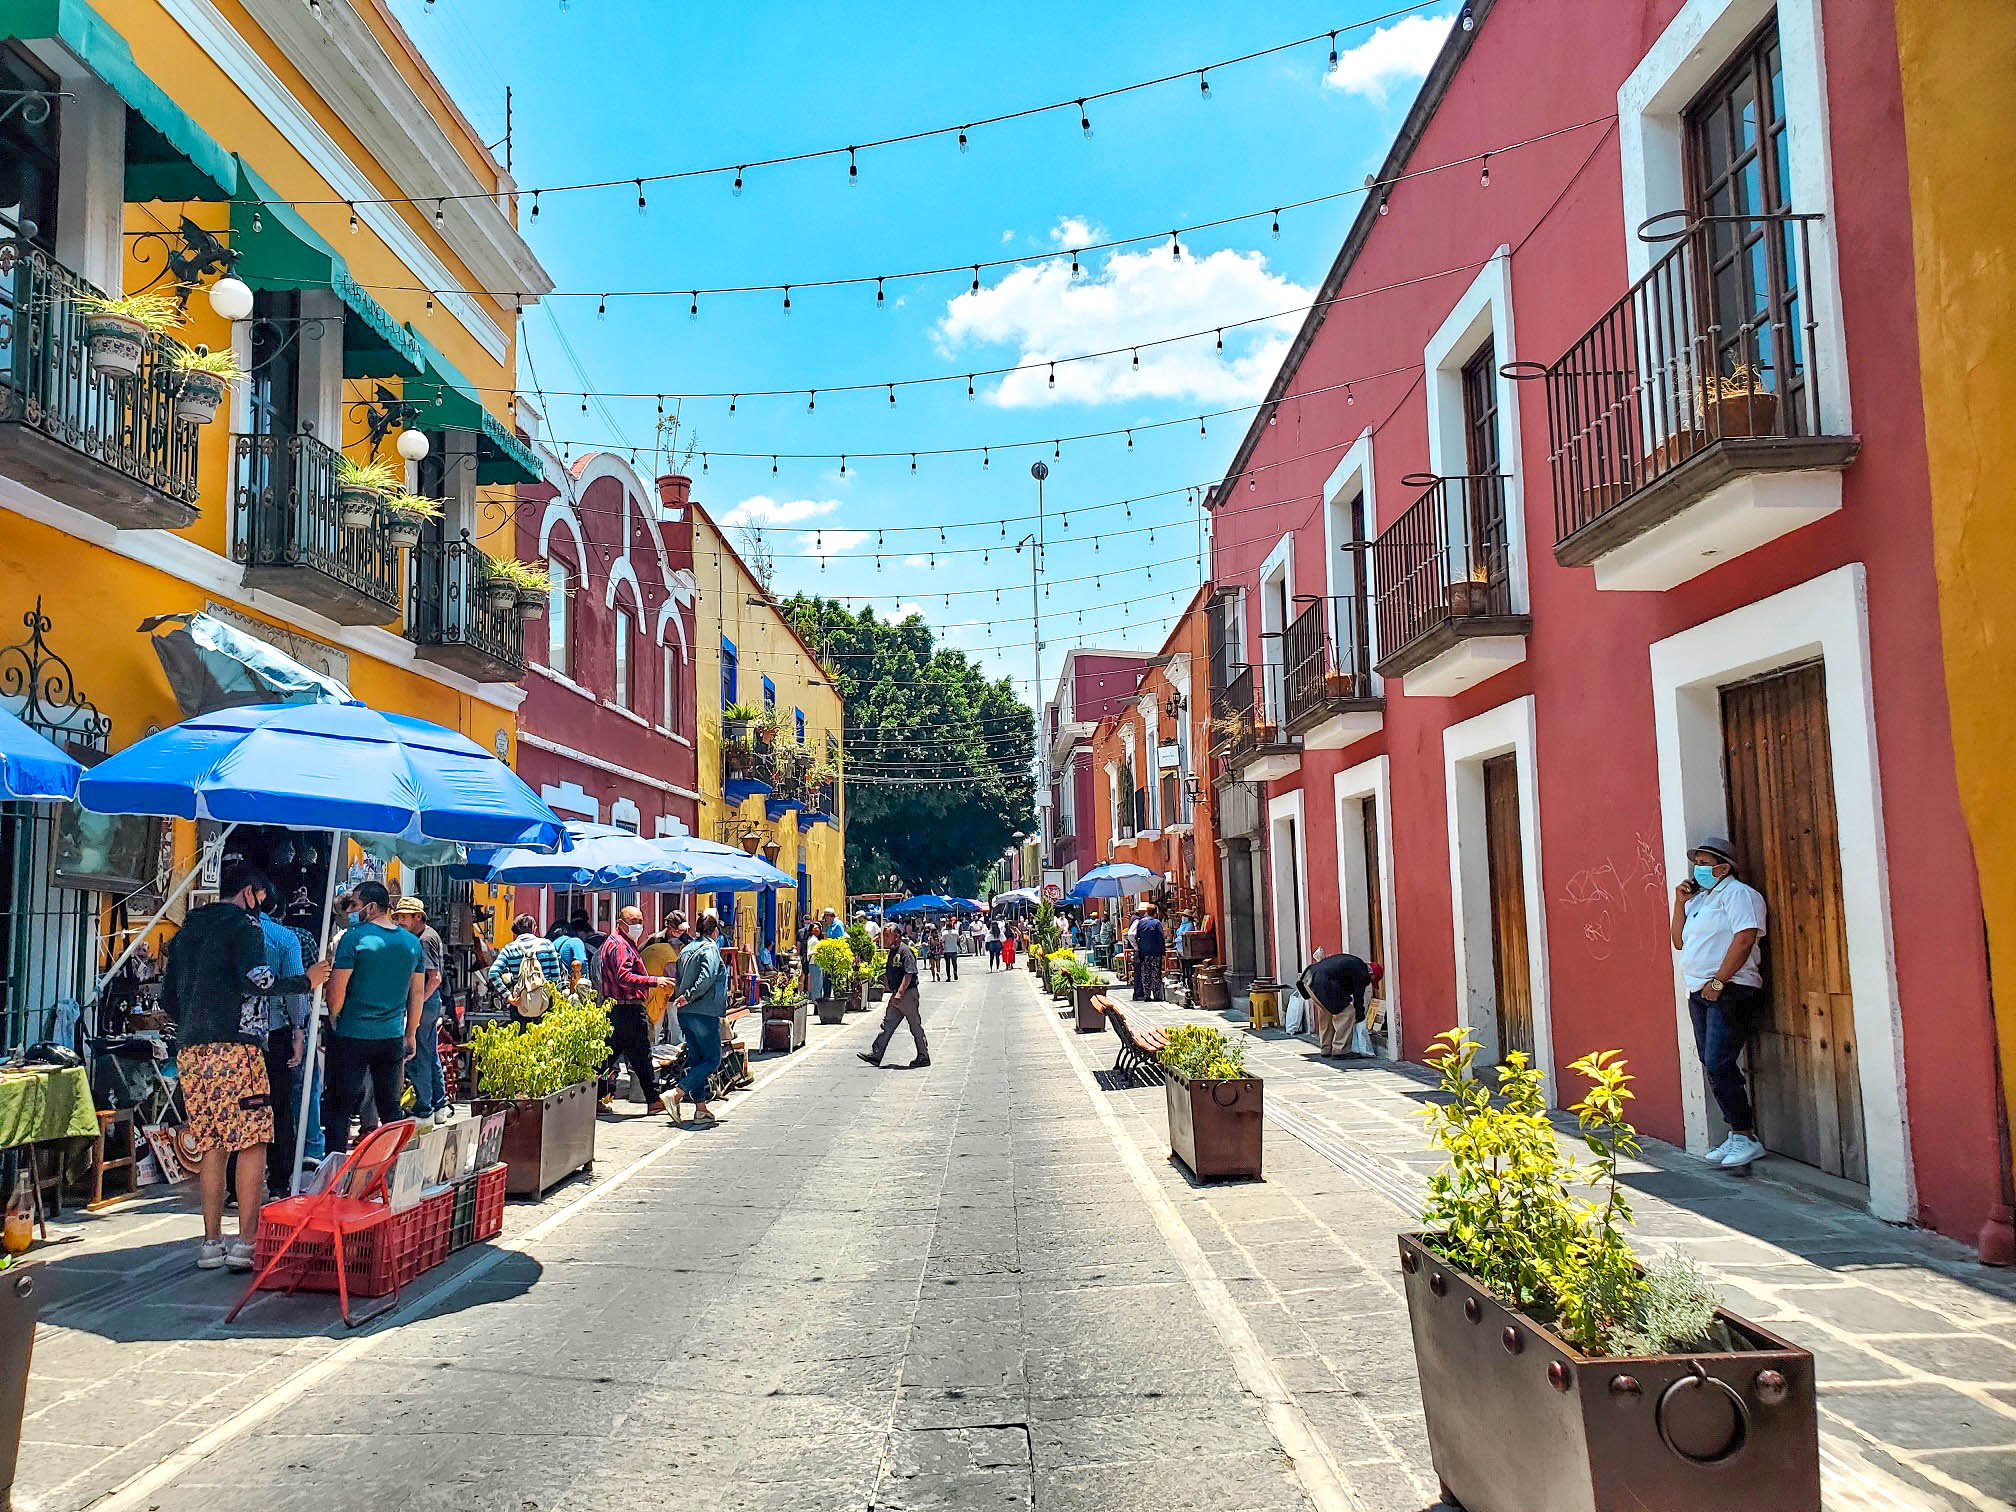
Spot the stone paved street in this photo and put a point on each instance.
(980, 1284)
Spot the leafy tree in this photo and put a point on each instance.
(913, 706)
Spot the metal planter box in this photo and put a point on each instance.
(1520, 1422)
(784, 1028)
(1090, 1020)
(545, 1138)
(20, 1307)
(1214, 1126)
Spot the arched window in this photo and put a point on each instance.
(559, 628)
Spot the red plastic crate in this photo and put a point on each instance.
(375, 1256)
(490, 1202)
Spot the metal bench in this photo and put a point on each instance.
(1140, 1041)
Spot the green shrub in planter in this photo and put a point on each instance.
(568, 1045)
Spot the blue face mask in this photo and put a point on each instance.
(1705, 878)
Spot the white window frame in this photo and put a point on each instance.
(623, 659)
(1353, 475)
(1289, 807)
(1485, 309)
(1696, 45)
(1369, 780)
(1826, 616)
(1271, 658)
(1509, 728)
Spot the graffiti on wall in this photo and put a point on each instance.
(1612, 899)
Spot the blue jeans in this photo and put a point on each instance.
(315, 1147)
(703, 1053)
(430, 1091)
(1721, 1029)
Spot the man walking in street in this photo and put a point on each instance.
(900, 977)
(430, 1088)
(1717, 922)
(702, 978)
(1336, 985)
(527, 971)
(376, 994)
(948, 947)
(215, 990)
(626, 986)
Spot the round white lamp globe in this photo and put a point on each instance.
(412, 445)
(231, 298)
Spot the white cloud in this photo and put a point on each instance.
(1398, 54)
(1044, 313)
(902, 612)
(763, 510)
(1076, 231)
(1007, 237)
(914, 560)
(831, 543)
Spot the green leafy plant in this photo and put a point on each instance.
(568, 1045)
(836, 959)
(156, 309)
(376, 475)
(739, 713)
(522, 577)
(878, 965)
(860, 942)
(410, 509)
(1507, 1207)
(221, 364)
(1049, 934)
(1674, 1314)
(787, 994)
(1198, 1053)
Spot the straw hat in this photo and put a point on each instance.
(410, 904)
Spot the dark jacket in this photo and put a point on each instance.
(216, 977)
(1338, 983)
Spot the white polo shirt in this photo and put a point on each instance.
(1714, 919)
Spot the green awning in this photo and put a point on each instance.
(448, 401)
(168, 156)
(279, 250)
(502, 458)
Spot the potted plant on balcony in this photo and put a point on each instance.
(1226, 729)
(509, 583)
(836, 959)
(1738, 404)
(361, 487)
(766, 726)
(738, 755)
(542, 1078)
(120, 328)
(200, 378)
(1215, 1108)
(1556, 1372)
(736, 720)
(406, 515)
(535, 585)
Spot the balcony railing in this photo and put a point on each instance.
(453, 621)
(1717, 342)
(291, 537)
(1327, 659)
(748, 770)
(1232, 711)
(110, 447)
(1446, 561)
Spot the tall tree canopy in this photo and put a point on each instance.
(938, 758)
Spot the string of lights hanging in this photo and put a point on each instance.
(963, 130)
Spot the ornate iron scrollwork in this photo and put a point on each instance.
(47, 688)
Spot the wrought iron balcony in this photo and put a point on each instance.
(748, 770)
(1444, 570)
(107, 446)
(1328, 658)
(1248, 733)
(291, 537)
(454, 622)
(1705, 373)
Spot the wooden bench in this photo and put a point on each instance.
(1140, 1041)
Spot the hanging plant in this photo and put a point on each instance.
(736, 720)
(406, 516)
(507, 582)
(120, 329)
(200, 378)
(361, 487)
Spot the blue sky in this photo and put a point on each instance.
(604, 89)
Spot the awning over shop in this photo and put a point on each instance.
(168, 156)
(279, 250)
(448, 401)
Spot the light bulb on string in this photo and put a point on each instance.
(1484, 178)
(694, 310)
(1053, 375)
(1175, 246)
(1221, 341)
(1076, 271)
(1333, 52)
(962, 137)
(773, 467)
(1056, 450)
(843, 464)
(913, 461)
(1349, 397)
(1469, 21)
(853, 169)
(430, 304)
(983, 457)
(1203, 84)
(736, 187)
(353, 220)
(661, 406)
(976, 278)
(1200, 425)
(703, 462)
(1382, 204)
(640, 197)
(811, 400)
(602, 308)
(259, 223)
(1277, 225)
(787, 296)
(969, 385)
(437, 213)
(880, 302)
(731, 402)
(1084, 120)
(535, 205)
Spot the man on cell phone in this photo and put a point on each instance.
(1717, 922)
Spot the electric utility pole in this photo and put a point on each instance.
(1039, 471)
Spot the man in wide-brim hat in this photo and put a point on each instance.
(1718, 922)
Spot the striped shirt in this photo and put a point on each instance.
(503, 971)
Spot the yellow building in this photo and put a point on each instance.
(1959, 99)
(792, 796)
(159, 144)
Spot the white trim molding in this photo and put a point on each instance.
(1510, 727)
(1289, 807)
(554, 747)
(1369, 781)
(1825, 617)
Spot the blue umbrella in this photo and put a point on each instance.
(326, 767)
(599, 856)
(1116, 879)
(923, 903)
(33, 766)
(1020, 897)
(711, 866)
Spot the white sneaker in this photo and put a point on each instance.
(239, 1256)
(210, 1255)
(1715, 1156)
(1742, 1150)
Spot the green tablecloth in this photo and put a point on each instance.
(53, 1104)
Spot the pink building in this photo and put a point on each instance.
(606, 729)
(1584, 518)
(1092, 685)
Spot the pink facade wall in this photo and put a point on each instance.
(1558, 205)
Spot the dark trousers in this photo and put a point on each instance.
(630, 1041)
(1721, 1029)
(280, 1078)
(358, 1067)
(903, 1010)
(951, 965)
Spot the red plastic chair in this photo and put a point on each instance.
(357, 1200)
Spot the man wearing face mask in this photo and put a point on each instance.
(1717, 922)
(626, 984)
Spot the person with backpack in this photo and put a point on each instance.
(526, 972)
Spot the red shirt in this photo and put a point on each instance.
(624, 979)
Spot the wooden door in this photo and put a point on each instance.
(1375, 910)
(1778, 768)
(1510, 974)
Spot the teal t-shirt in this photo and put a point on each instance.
(381, 960)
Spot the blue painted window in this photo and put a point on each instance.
(727, 672)
(769, 694)
(801, 725)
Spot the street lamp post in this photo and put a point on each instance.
(1044, 829)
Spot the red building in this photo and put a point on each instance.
(1565, 537)
(1092, 685)
(606, 729)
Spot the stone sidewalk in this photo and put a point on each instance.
(1915, 1342)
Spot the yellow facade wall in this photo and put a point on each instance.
(733, 605)
(1959, 102)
